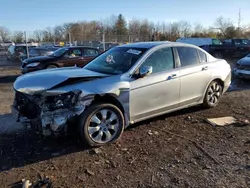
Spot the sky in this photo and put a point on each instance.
(29, 15)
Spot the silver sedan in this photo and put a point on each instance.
(122, 86)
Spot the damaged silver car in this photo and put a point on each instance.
(122, 86)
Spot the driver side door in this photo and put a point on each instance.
(160, 91)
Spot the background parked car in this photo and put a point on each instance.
(39, 51)
(108, 45)
(14, 52)
(63, 57)
(242, 69)
(231, 48)
(6, 44)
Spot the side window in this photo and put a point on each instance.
(73, 53)
(90, 52)
(216, 42)
(160, 60)
(11, 49)
(20, 49)
(203, 56)
(77, 52)
(188, 56)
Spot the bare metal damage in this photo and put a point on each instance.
(56, 120)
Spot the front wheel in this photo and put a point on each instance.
(213, 94)
(101, 124)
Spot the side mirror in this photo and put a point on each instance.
(145, 71)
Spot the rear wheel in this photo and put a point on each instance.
(213, 94)
(101, 124)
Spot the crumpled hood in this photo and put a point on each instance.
(39, 81)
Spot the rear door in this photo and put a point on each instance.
(194, 74)
(71, 58)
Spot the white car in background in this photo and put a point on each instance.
(6, 44)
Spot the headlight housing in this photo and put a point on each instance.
(63, 101)
(33, 64)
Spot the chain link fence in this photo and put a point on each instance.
(93, 40)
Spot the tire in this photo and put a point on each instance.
(213, 94)
(96, 133)
(51, 66)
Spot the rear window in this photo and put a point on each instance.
(90, 52)
(188, 56)
(203, 56)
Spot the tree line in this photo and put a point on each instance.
(117, 29)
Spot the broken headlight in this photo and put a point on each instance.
(62, 101)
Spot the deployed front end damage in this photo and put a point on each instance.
(52, 100)
(50, 114)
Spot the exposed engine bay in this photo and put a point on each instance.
(50, 114)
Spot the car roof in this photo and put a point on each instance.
(148, 45)
(144, 44)
(72, 47)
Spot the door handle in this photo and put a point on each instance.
(171, 76)
(204, 68)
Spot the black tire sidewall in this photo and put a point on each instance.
(206, 102)
(85, 118)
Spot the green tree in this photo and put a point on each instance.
(231, 32)
(121, 27)
(18, 37)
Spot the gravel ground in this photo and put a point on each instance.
(175, 150)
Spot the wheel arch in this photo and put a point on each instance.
(214, 79)
(52, 64)
(109, 98)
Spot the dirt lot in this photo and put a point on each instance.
(154, 153)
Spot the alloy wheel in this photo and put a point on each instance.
(214, 93)
(103, 126)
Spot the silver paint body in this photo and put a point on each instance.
(141, 98)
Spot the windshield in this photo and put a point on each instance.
(59, 52)
(216, 42)
(117, 60)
